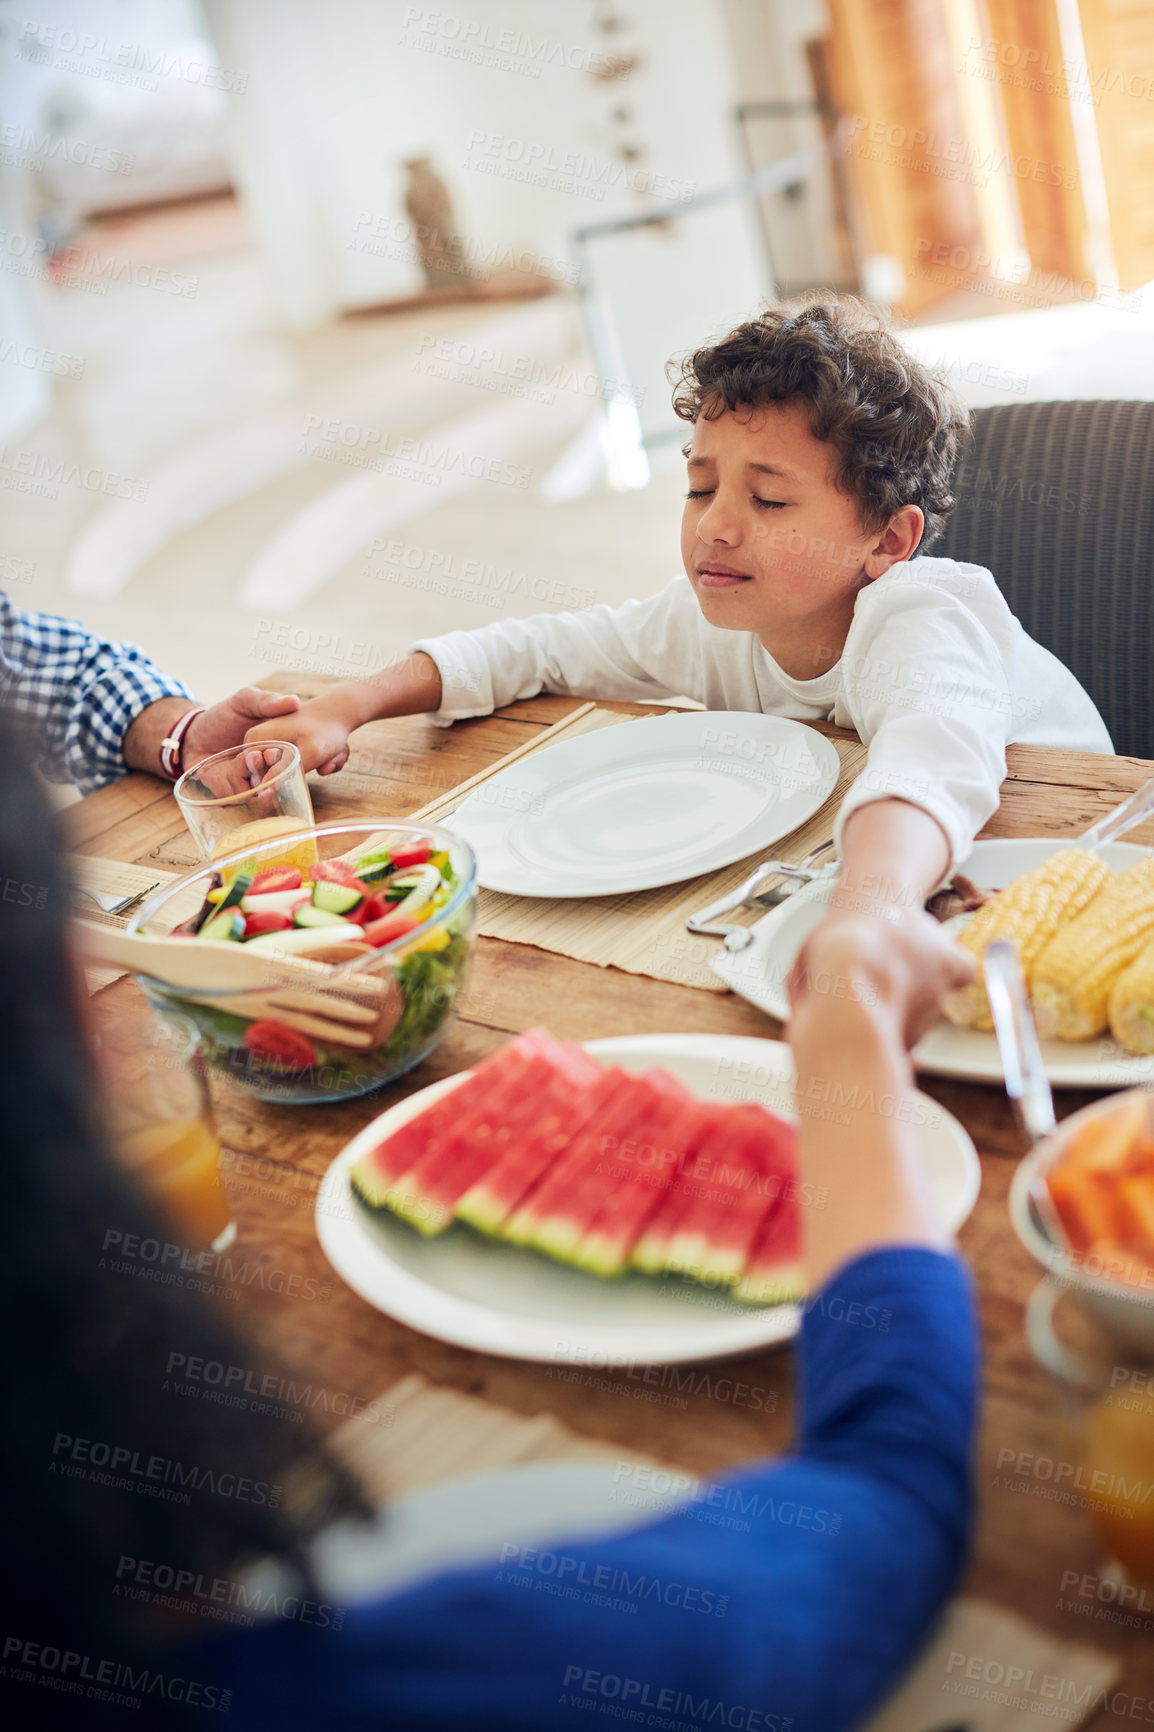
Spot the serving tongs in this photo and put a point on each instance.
(1026, 1081)
(294, 990)
(766, 886)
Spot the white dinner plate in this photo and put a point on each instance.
(464, 1524)
(759, 973)
(505, 1299)
(651, 802)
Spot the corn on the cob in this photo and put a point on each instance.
(1029, 912)
(1072, 979)
(1131, 1006)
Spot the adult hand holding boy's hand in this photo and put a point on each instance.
(896, 965)
(319, 730)
(218, 727)
(892, 854)
(865, 989)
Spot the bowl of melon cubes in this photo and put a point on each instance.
(367, 929)
(1082, 1203)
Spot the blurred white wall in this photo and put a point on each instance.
(109, 103)
(513, 103)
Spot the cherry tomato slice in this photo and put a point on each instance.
(334, 872)
(374, 907)
(284, 1048)
(410, 854)
(270, 920)
(392, 926)
(275, 878)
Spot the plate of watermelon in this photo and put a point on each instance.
(629, 1201)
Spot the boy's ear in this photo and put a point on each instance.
(896, 542)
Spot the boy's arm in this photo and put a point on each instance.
(926, 687)
(893, 856)
(644, 649)
(321, 728)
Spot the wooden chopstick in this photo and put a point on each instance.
(453, 798)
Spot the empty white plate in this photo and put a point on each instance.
(759, 973)
(505, 1299)
(651, 802)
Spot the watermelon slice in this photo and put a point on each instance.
(604, 1170)
(652, 1248)
(746, 1168)
(492, 1199)
(631, 1204)
(428, 1192)
(372, 1175)
(606, 1158)
(773, 1274)
(558, 1184)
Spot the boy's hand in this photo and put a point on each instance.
(321, 728)
(320, 731)
(896, 966)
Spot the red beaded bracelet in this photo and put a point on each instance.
(172, 746)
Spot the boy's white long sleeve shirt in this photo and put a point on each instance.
(937, 677)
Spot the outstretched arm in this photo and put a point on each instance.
(643, 649)
(793, 1593)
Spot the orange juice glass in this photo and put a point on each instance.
(160, 1119)
(1107, 1394)
(1119, 1455)
(245, 797)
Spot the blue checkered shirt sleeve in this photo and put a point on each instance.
(80, 692)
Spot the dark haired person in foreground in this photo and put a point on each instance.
(819, 465)
(845, 1554)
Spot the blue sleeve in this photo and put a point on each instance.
(81, 692)
(792, 1594)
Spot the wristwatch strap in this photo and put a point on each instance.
(172, 746)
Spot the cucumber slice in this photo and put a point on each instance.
(226, 923)
(306, 916)
(335, 898)
(403, 885)
(416, 889)
(375, 872)
(235, 891)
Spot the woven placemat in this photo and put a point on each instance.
(427, 1434)
(114, 878)
(642, 933)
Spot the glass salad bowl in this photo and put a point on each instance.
(365, 931)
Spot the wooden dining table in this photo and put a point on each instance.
(275, 1156)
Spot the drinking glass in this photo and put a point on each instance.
(159, 1115)
(244, 796)
(1107, 1389)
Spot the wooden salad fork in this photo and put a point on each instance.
(349, 1010)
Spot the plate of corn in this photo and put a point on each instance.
(1083, 925)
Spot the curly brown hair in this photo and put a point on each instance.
(895, 424)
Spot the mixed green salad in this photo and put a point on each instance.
(334, 911)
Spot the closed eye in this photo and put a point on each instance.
(762, 504)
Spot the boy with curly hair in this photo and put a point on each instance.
(819, 465)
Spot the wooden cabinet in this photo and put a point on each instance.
(1119, 86)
